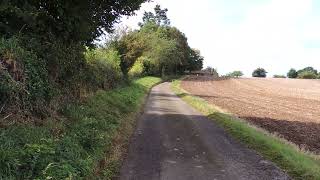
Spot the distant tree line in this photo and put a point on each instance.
(279, 76)
(305, 73)
(235, 74)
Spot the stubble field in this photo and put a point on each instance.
(287, 107)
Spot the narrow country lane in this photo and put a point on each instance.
(175, 142)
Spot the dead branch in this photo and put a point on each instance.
(6, 117)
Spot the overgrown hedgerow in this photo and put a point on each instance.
(102, 68)
(70, 148)
(24, 78)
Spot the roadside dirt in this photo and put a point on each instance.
(287, 107)
(175, 142)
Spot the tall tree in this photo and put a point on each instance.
(195, 60)
(165, 48)
(259, 72)
(131, 46)
(292, 73)
(159, 17)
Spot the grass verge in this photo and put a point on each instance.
(77, 146)
(298, 164)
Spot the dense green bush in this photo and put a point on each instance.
(259, 72)
(307, 75)
(103, 68)
(138, 69)
(309, 69)
(292, 73)
(235, 74)
(24, 78)
(150, 66)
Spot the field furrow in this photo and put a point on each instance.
(288, 107)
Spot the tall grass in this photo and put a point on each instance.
(71, 147)
(298, 164)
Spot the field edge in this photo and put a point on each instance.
(298, 164)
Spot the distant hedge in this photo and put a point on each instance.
(307, 75)
(279, 76)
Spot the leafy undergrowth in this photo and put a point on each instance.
(72, 148)
(298, 164)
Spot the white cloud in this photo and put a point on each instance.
(240, 35)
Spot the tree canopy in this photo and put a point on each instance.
(82, 21)
(292, 73)
(305, 73)
(259, 72)
(165, 48)
(159, 17)
(308, 69)
(235, 74)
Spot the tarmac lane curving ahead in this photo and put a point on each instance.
(175, 142)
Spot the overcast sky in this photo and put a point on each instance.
(245, 34)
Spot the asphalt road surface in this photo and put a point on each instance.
(175, 142)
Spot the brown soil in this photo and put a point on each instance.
(288, 107)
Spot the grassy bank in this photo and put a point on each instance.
(81, 144)
(297, 164)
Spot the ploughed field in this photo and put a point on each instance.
(287, 107)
